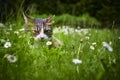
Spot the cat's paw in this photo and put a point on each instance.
(58, 43)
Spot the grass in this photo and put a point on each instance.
(44, 63)
(84, 20)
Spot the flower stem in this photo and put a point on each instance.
(77, 67)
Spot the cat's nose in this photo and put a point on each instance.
(42, 37)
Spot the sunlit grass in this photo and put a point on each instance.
(81, 57)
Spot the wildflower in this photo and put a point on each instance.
(71, 30)
(85, 31)
(106, 45)
(77, 61)
(1, 25)
(16, 32)
(118, 37)
(81, 40)
(11, 58)
(87, 37)
(7, 45)
(94, 43)
(65, 31)
(92, 48)
(48, 43)
(56, 30)
(77, 31)
(21, 29)
(110, 43)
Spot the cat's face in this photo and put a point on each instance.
(41, 28)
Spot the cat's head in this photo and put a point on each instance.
(41, 28)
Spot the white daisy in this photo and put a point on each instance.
(94, 43)
(106, 45)
(77, 31)
(77, 61)
(56, 30)
(92, 47)
(65, 31)
(7, 45)
(48, 43)
(11, 58)
(85, 31)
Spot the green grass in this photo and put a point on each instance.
(84, 20)
(44, 63)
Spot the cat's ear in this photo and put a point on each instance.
(28, 18)
(49, 20)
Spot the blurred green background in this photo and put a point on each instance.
(105, 11)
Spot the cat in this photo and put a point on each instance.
(41, 28)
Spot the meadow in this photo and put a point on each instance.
(86, 54)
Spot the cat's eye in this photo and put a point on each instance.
(47, 30)
(50, 25)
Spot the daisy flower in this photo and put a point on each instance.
(94, 43)
(92, 47)
(106, 45)
(7, 45)
(48, 43)
(77, 61)
(11, 58)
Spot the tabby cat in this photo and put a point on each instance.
(41, 28)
